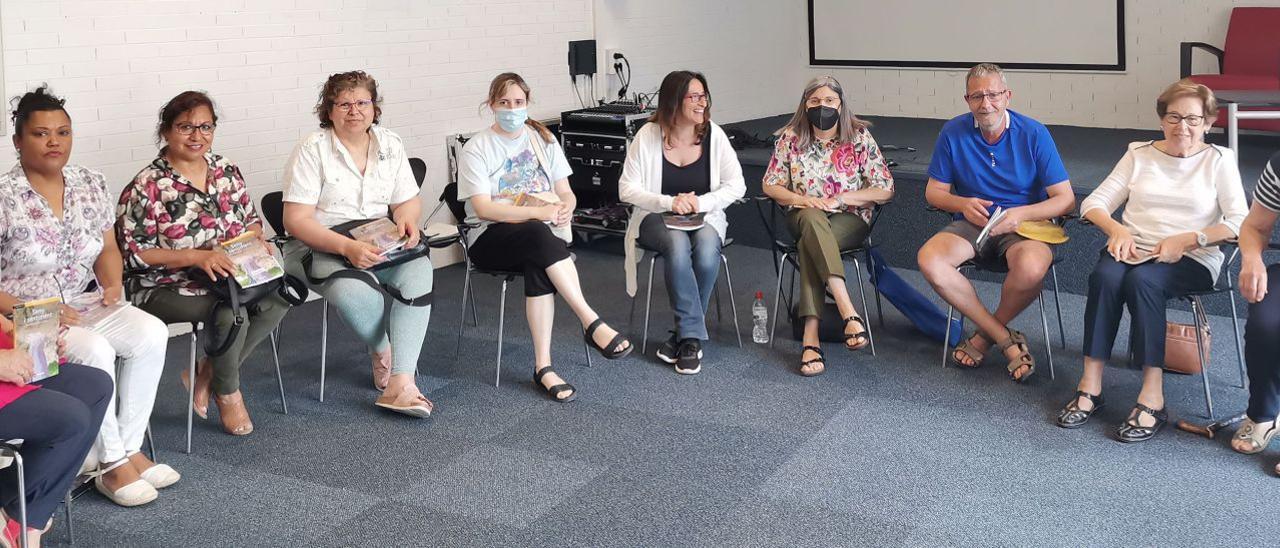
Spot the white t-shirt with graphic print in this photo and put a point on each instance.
(505, 168)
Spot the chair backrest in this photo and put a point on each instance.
(273, 211)
(449, 196)
(1251, 46)
(419, 168)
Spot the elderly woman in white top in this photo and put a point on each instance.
(353, 170)
(57, 236)
(681, 163)
(1181, 196)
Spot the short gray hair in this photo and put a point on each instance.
(985, 69)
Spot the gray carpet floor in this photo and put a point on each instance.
(887, 450)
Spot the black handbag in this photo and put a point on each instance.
(240, 300)
(392, 258)
(366, 276)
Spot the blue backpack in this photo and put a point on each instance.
(916, 307)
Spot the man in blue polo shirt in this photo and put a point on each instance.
(993, 158)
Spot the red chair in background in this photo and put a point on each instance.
(1250, 59)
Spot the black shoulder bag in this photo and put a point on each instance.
(239, 300)
(366, 276)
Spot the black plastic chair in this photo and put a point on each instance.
(786, 253)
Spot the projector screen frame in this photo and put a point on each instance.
(1118, 66)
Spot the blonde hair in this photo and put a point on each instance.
(847, 126)
(1186, 88)
(499, 86)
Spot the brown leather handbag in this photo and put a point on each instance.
(1181, 354)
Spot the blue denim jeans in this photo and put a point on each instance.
(691, 262)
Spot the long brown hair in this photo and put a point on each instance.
(847, 126)
(498, 87)
(671, 98)
(347, 81)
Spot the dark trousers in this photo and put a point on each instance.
(523, 247)
(262, 318)
(58, 424)
(1262, 351)
(1145, 289)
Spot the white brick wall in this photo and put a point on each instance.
(263, 61)
(755, 55)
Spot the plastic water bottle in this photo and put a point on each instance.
(760, 319)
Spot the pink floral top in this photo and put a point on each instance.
(827, 168)
(41, 255)
(161, 209)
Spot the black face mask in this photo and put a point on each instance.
(823, 117)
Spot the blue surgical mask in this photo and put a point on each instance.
(511, 120)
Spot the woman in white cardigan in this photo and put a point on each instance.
(1181, 196)
(682, 167)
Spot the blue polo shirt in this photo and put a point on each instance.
(1013, 172)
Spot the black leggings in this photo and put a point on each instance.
(1261, 348)
(528, 248)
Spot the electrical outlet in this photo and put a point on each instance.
(609, 60)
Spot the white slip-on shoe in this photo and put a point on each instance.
(135, 494)
(161, 476)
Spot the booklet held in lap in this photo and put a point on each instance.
(36, 326)
(690, 222)
(255, 265)
(380, 233)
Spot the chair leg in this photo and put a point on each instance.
(502, 317)
(471, 292)
(191, 391)
(66, 510)
(585, 349)
(871, 274)
(946, 338)
(1235, 327)
(324, 344)
(1048, 345)
(648, 304)
(1204, 365)
(733, 303)
(777, 297)
(22, 498)
(151, 444)
(1057, 305)
(862, 293)
(462, 316)
(275, 355)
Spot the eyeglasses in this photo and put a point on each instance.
(188, 129)
(1192, 120)
(347, 105)
(824, 101)
(993, 96)
(698, 98)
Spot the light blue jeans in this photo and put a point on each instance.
(361, 307)
(691, 261)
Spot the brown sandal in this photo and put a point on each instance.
(966, 349)
(1023, 359)
(233, 413)
(408, 401)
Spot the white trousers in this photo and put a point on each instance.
(138, 339)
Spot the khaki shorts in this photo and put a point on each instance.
(991, 256)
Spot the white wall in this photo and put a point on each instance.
(263, 61)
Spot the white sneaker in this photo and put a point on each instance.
(135, 494)
(161, 476)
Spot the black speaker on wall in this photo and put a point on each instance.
(582, 57)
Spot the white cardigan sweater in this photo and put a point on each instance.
(1165, 195)
(641, 186)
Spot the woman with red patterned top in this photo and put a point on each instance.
(173, 215)
(829, 173)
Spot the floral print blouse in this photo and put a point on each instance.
(827, 168)
(41, 255)
(161, 209)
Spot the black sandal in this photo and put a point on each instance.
(820, 359)
(1131, 432)
(861, 339)
(554, 391)
(610, 352)
(1072, 416)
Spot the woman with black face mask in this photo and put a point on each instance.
(828, 173)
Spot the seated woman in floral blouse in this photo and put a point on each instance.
(173, 215)
(828, 171)
(56, 239)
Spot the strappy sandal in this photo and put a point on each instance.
(1130, 431)
(1072, 416)
(1023, 359)
(818, 360)
(966, 349)
(554, 391)
(610, 351)
(1255, 435)
(860, 339)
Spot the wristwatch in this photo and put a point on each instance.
(1202, 239)
(840, 200)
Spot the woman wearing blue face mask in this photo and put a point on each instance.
(513, 177)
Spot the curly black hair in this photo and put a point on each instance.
(34, 101)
